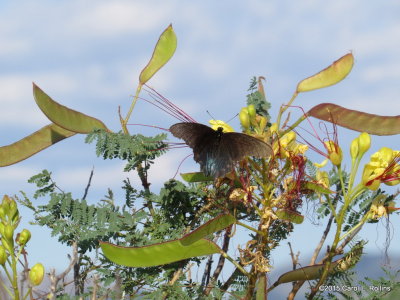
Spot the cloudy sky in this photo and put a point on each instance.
(88, 54)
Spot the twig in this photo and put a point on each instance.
(322, 241)
(88, 185)
(55, 279)
(206, 275)
(297, 285)
(295, 258)
(221, 260)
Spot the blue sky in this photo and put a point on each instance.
(88, 54)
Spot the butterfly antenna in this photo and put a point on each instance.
(232, 118)
(212, 117)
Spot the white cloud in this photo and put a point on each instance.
(119, 17)
(16, 173)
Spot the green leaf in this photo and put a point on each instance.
(356, 120)
(218, 223)
(316, 187)
(162, 53)
(289, 215)
(34, 143)
(158, 254)
(65, 117)
(329, 76)
(195, 177)
(306, 273)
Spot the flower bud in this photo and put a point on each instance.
(244, 118)
(273, 128)
(263, 123)
(36, 274)
(364, 143)
(251, 109)
(23, 237)
(3, 255)
(2, 229)
(354, 148)
(2, 213)
(9, 232)
(6, 204)
(6, 244)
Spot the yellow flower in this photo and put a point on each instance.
(242, 195)
(334, 152)
(382, 167)
(215, 124)
(285, 145)
(299, 149)
(323, 178)
(378, 209)
(322, 164)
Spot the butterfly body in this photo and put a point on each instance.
(216, 151)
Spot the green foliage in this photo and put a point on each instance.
(135, 149)
(179, 203)
(260, 189)
(257, 99)
(385, 288)
(43, 182)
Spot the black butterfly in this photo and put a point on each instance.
(216, 151)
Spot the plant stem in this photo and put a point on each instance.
(128, 115)
(15, 276)
(285, 107)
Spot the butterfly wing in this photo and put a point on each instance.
(192, 133)
(240, 145)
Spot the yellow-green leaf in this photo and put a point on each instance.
(63, 116)
(218, 223)
(196, 177)
(356, 120)
(162, 53)
(32, 144)
(329, 76)
(158, 254)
